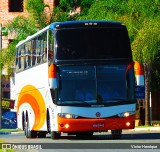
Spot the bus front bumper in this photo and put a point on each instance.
(95, 125)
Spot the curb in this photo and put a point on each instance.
(136, 129)
(147, 129)
(17, 132)
(7, 133)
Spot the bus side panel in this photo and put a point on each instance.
(33, 96)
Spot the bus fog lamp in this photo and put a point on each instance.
(128, 124)
(66, 126)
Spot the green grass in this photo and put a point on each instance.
(10, 130)
(144, 126)
(2, 141)
(6, 150)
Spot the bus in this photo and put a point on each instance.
(75, 77)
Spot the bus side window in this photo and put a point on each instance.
(25, 56)
(50, 54)
(38, 52)
(29, 54)
(22, 57)
(44, 55)
(51, 46)
(41, 50)
(19, 59)
(33, 52)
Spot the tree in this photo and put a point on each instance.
(36, 10)
(142, 20)
(141, 17)
(146, 47)
(38, 18)
(21, 27)
(75, 8)
(42, 14)
(70, 5)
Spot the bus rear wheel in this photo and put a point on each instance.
(116, 134)
(30, 133)
(55, 135)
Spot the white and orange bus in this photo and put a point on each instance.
(75, 77)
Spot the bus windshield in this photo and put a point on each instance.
(95, 84)
(92, 43)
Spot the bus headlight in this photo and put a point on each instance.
(67, 115)
(126, 114)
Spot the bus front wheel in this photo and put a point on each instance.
(55, 135)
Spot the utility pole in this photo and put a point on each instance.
(0, 76)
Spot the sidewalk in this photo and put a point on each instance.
(146, 129)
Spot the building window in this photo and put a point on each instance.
(15, 5)
(6, 94)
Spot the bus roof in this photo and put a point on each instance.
(84, 23)
(74, 24)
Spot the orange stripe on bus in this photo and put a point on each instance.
(52, 71)
(138, 68)
(29, 94)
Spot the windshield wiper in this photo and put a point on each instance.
(115, 100)
(72, 102)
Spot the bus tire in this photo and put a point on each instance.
(24, 122)
(116, 134)
(48, 122)
(55, 135)
(25, 130)
(30, 133)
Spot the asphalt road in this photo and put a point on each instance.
(131, 141)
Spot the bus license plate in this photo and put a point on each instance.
(98, 125)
